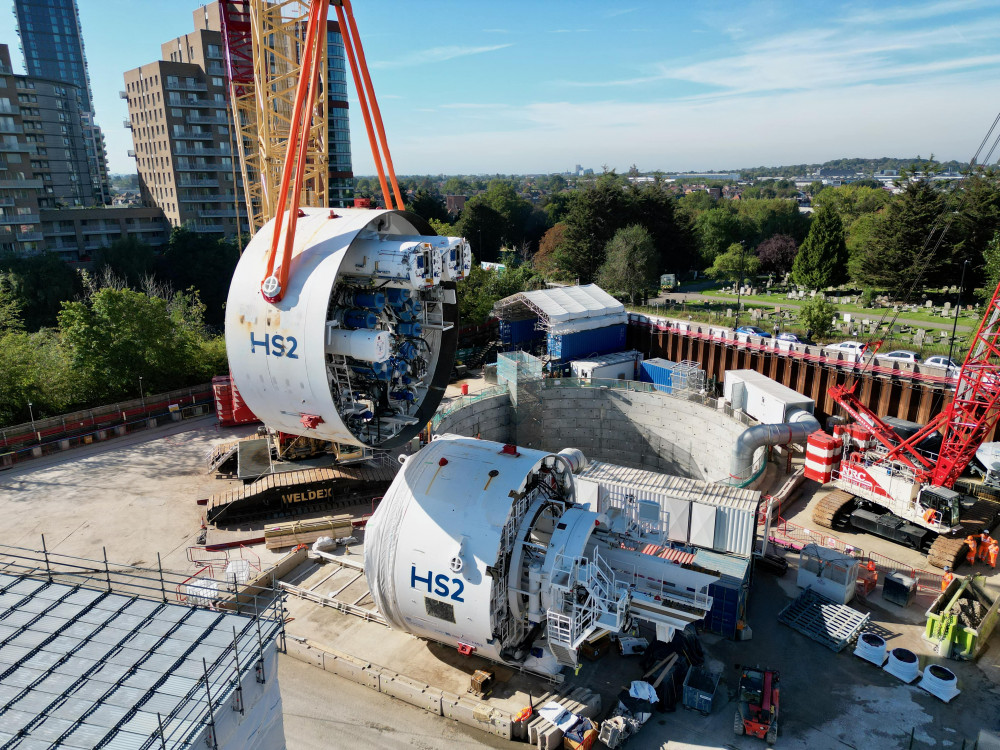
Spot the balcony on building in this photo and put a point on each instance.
(182, 135)
(123, 95)
(131, 154)
(19, 218)
(184, 86)
(182, 150)
(22, 148)
(127, 124)
(20, 183)
(199, 182)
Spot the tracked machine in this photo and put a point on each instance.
(891, 485)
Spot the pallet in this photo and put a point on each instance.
(834, 625)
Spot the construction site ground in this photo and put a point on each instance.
(136, 497)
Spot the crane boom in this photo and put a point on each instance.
(964, 423)
(974, 411)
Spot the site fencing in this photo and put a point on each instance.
(790, 536)
(54, 434)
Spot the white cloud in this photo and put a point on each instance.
(438, 54)
(743, 131)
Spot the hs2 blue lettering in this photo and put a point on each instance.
(276, 345)
(439, 585)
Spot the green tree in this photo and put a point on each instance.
(202, 262)
(853, 201)
(456, 186)
(10, 309)
(483, 288)
(498, 218)
(818, 315)
(991, 269)
(760, 219)
(903, 249)
(117, 335)
(717, 229)
(735, 264)
(822, 259)
(606, 205)
(443, 228)
(815, 187)
(128, 258)
(427, 205)
(33, 368)
(976, 222)
(39, 284)
(556, 206)
(630, 264)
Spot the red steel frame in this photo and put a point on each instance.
(964, 423)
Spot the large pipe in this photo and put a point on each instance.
(797, 429)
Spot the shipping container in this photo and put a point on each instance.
(729, 594)
(714, 516)
(567, 346)
(659, 372)
(514, 333)
(620, 365)
(762, 398)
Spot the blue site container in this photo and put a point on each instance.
(729, 593)
(659, 372)
(514, 332)
(566, 346)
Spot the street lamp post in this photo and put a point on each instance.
(958, 307)
(31, 412)
(142, 397)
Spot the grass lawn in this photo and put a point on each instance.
(966, 321)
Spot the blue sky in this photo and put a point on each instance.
(485, 87)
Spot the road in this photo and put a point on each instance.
(323, 711)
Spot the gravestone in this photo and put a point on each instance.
(918, 338)
(928, 304)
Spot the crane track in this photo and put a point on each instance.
(830, 507)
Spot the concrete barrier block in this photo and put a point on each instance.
(64, 444)
(36, 451)
(353, 669)
(410, 691)
(305, 652)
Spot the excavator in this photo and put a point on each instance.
(891, 485)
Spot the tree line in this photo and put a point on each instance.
(72, 339)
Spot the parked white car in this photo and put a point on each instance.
(850, 347)
(939, 360)
(901, 355)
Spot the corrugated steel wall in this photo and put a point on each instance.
(566, 346)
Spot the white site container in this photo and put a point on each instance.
(705, 514)
(620, 365)
(762, 398)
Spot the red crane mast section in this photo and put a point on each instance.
(965, 421)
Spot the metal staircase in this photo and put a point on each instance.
(588, 598)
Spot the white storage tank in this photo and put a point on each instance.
(764, 399)
(360, 347)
